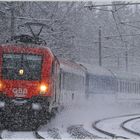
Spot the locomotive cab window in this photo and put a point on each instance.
(21, 67)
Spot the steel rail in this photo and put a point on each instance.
(112, 135)
(78, 132)
(127, 129)
(37, 135)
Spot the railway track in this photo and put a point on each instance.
(110, 134)
(52, 133)
(37, 135)
(78, 132)
(128, 129)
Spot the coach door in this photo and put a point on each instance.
(54, 76)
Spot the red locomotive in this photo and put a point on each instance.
(29, 74)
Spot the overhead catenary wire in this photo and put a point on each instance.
(108, 37)
(130, 21)
(106, 10)
(129, 49)
(130, 25)
(117, 24)
(99, 9)
(122, 6)
(116, 4)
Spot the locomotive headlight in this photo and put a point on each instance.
(0, 85)
(43, 89)
(21, 72)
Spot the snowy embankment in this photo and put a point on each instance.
(17, 135)
(87, 111)
(134, 125)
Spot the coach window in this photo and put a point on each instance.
(136, 87)
(133, 87)
(123, 86)
(126, 87)
(120, 85)
(130, 87)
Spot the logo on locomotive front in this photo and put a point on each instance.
(20, 92)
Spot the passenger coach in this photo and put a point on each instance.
(73, 76)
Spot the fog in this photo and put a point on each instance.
(90, 70)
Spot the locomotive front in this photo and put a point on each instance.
(25, 76)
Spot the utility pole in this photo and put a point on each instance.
(100, 48)
(126, 60)
(12, 27)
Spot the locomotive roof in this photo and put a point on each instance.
(27, 46)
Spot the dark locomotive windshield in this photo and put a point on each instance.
(21, 67)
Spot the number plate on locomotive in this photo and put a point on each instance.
(19, 92)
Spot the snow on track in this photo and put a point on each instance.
(54, 133)
(112, 126)
(20, 134)
(132, 125)
(85, 113)
(78, 132)
(49, 133)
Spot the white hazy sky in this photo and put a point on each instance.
(109, 1)
(115, 0)
(98, 1)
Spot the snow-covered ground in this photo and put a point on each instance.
(134, 125)
(85, 112)
(17, 135)
(113, 126)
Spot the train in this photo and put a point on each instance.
(33, 78)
